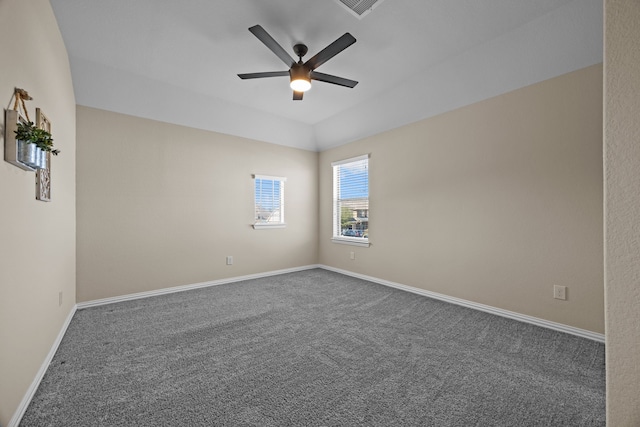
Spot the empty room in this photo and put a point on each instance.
(320, 213)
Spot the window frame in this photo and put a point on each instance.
(268, 225)
(336, 234)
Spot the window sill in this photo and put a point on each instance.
(353, 242)
(267, 226)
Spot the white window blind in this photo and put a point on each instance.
(268, 201)
(351, 201)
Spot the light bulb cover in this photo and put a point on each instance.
(300, 85)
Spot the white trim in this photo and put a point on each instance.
(352, 159)
(345, 241)
(477, 306)
(164, 291)
(259, 226)
(31, 391)
(270, 178)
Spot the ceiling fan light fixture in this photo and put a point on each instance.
(300, 80)
(301, 73)
(300, 85)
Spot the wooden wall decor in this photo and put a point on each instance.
(43, 176)
(12, 147)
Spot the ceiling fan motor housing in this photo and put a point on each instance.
(299, 71)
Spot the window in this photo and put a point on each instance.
(269, 201)
(351, 201)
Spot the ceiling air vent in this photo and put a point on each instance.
(360, 8)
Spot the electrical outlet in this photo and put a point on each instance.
(352, 255)
(560, 292)
(229, 260)
(59, 298)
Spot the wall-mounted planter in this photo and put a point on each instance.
(18, 153)
(32, 152)
(29, 154)
(42, 159)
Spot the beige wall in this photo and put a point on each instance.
(622, 210)
(161, 205)
(493, 203)
(37, 239)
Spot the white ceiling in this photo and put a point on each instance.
(177, 61)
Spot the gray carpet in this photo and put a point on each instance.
(314, 348)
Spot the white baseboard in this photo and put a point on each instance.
(17, 416)
(476, 306)
(458, 301)
(129, 297)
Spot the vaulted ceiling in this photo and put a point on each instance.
(177, 61)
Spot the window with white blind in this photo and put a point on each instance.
(268, 201)
(351, 201)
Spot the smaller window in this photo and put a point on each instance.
(268, 201)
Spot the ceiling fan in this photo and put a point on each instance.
(300, 73)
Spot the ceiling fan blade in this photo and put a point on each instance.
(262, 75)
(297, 96)
(328, 78)
(273, 45)
(330, 51)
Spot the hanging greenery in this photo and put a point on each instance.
(28, 132)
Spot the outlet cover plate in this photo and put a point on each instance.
(560, 292)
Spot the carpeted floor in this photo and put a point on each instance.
(314, 348)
